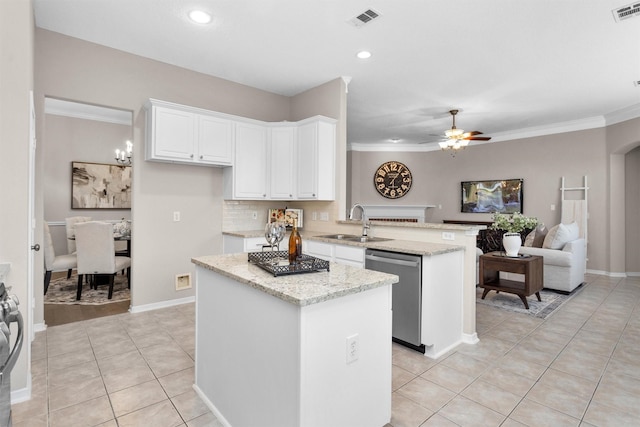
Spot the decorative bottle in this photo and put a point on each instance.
(295, 243)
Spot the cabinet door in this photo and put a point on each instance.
(215, 140)
(307, 161)
(316, 160)
(172, 134)
(250, 162)
(282, 156)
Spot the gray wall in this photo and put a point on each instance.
(541, 161)
(632, 210)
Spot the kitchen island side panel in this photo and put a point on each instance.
(263, 361)
(247, 353)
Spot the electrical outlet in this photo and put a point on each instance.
(254, 215)
(353, 348)
(314, 216)
(176, 216)
(553, 207)
(324, 216)
(448, 236)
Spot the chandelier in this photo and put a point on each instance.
(123, 157)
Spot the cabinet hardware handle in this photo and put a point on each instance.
(35, 247)
(201, 157)
(191, 156)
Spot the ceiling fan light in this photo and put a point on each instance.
(200, 16)
(453, 132)
(444, 144)
(463, 142)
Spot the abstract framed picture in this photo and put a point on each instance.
(100, 186)
(503, 195)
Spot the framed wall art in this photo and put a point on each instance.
(504, 196)
(100, 186)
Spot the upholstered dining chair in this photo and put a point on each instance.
(70, 226)
(52, 262)
(96, 254)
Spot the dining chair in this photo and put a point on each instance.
(70, 226)
(96, 254)
(52, 262)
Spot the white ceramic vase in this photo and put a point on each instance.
(511, 243)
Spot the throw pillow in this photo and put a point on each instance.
(528, 241)
(541, 233)
(559, 235)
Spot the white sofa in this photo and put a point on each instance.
(564, 268)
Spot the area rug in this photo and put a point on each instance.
(63, 291)
(551, 301)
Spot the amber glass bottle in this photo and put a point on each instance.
(295, 244)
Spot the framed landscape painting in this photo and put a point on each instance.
(504, 196)
(100, 186)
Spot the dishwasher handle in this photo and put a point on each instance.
(392, 261)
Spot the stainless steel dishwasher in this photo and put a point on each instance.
(406, 294)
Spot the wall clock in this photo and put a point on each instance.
(392, 180)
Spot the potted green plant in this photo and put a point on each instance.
(512, 225)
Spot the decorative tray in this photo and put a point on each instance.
(277, 263)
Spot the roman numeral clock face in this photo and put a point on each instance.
(392, 180)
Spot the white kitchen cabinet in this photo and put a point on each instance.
(248, 178)
(316, 159)
(170, 134)
(234, 244)
(215, 140)
(282, 164)
(342, 254)
(182, 134)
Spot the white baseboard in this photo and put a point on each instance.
(470, 338)
(23, 394)
(607, 273)
(211, 406)
(161, 304)
(633, 274)
(39, 327)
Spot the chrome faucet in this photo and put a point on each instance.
(365, 226)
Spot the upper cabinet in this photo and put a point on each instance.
(247, 179)
(316, 159)
(182, 134)
(268, 161)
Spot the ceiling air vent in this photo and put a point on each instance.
(364, 18)
(626, 12)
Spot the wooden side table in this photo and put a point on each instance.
(531, 266)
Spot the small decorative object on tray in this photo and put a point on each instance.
(277, 263)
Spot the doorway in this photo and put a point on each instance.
(75, 131)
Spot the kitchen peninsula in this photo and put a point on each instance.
(300, 350)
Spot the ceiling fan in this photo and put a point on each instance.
(457, 139)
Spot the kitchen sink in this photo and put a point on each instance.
(365, 239)
(340, 236)
(354, 238)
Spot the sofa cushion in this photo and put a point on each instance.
(535, 239)
(551, 256)
(559, 235)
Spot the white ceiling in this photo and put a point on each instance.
(512, 68)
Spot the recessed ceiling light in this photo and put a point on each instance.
(200, 16)
(364, 54)
(395, 140)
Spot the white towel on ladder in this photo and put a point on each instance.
(575, 210)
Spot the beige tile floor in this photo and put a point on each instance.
(579, 367)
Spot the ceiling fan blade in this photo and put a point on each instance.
(474, 132)
(478, 138)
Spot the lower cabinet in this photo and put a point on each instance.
(342, 254)
(237, 244)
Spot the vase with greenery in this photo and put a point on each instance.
(513, 225)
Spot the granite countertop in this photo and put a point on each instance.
(393, 245)
(299, 289)
(428, 225)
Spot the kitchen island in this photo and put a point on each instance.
(300, 350)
